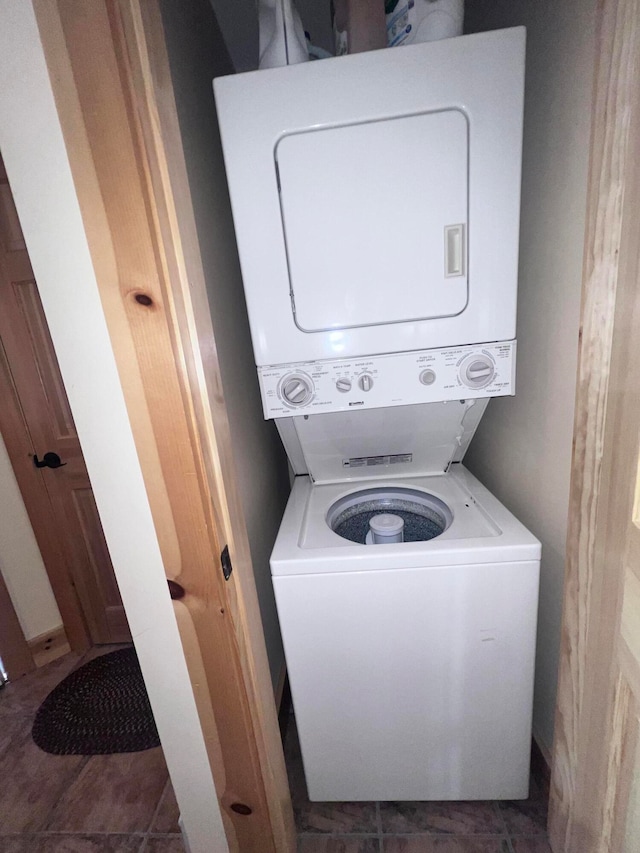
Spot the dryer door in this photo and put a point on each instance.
(375, 217)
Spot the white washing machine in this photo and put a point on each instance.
(411, 664)
(376, 204)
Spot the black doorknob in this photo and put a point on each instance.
(49, 460)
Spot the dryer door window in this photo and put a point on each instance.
(375, 219)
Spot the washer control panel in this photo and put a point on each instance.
(396, 379)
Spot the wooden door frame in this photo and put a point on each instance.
(584, 791)
(129, 173)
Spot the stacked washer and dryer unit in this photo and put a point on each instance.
(376, 205)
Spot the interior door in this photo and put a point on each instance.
(595, 793)
(47, 420)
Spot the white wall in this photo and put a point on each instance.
(20, 559)
(36, 161)
(259, 458)
(522, 450)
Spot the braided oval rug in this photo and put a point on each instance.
(100, 709)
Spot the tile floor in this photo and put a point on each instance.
(77, 804)
(125, 803)
(473, 827)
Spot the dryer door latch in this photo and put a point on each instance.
(225, 562)
(454, 251)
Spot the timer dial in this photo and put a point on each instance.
(477, 371)
(296, 389)
(366, 382)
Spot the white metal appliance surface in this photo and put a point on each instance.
(376, 205)
(411, 664)
(376, 198)
(386, 443)
(400, 379)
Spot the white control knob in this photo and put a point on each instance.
(296, 389)
(366, 382)
(428, 377)
(343, 385)
(477, 371)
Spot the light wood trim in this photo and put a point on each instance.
(49, 646)
(160, 135)
(629, 667)
(619, 770)
(38, 505)
(14, 650)
(630, 623)
(127, 163)
(600, 504)
(632, 818)
(633, 556)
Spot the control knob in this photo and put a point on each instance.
(296, 389)
(366, 382)
(477, 371)
(343, 384)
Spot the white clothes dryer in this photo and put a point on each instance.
(411, 663)
(376, 198)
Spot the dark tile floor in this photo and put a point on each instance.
(125, 803)
(455, 827)
(77, 804)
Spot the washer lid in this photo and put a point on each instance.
(398, 441)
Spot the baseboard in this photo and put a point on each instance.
(49, 646)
